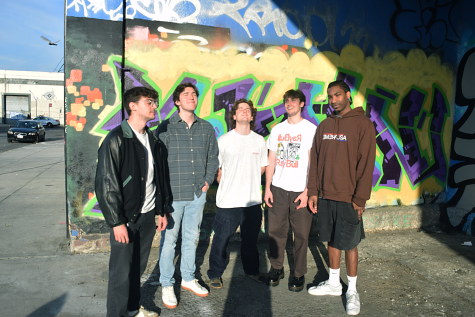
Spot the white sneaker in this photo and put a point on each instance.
(352, 302)
(142, 312)
(195, 287)
(168, 297)
(325, 288)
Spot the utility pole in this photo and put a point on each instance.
(36, 104)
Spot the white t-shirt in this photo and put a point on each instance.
(240, 159)
(149, 203)
(291, 143)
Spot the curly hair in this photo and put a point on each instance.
(135, 94)
(234, 109)
(342, 85)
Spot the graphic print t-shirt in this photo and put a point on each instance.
(291, 143)
(240, 159)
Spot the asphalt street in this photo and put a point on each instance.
(52, 134)
(400, 273)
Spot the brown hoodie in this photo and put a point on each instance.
(342, 158)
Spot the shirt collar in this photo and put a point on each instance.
(176, 118)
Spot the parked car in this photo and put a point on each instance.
(26, 130)
(47, 121)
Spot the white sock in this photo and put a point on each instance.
(334, 277)
(351, 283)
(133, 313)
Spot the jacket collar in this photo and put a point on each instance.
(129, 134)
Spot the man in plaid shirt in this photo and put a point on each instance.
(192, 162)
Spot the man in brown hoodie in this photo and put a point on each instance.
(339, 183)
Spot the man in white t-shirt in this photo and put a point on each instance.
(242, 161)
(289, 147)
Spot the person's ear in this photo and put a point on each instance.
(132, 106)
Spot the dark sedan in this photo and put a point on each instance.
(26, 130)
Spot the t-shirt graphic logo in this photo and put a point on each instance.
(290, 153)
(293, 151)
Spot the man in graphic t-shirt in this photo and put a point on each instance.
(289, 147)
(242, 161)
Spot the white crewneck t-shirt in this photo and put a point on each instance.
(149, 203)
(240, 159)
(291, 143)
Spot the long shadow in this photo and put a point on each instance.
(50, 309)
(246, 297)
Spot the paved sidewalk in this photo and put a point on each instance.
(401, 272)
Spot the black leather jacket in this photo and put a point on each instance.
(122, 173)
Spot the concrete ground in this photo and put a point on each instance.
(401, 272)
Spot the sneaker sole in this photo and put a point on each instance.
(197, 294)
(216, 287)
(353, 313)
(169, 306)
(323, 294)
(277, 282)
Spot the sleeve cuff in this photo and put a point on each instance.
(312, 192)
(359, 202)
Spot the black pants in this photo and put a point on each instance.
(127, 263)
(225, 224)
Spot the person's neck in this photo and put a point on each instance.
(137, 124)
(187, 116)
(295, 119)
(242, 129)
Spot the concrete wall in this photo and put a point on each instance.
(399, 58)
(39, 86)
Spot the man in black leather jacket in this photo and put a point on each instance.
(131, 188)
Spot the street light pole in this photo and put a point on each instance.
(36, 104)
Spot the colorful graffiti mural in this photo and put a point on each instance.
(399, 64)
(411, 113)
(459, 211)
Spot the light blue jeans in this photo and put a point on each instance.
(189, 214)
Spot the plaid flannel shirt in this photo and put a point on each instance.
(192, 155)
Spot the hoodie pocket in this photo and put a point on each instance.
(127, 181)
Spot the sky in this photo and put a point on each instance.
(22, 23)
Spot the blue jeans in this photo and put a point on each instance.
(224, 225)
(189, 214)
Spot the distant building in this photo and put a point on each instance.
(26, 94)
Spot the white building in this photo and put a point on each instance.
(25, 93)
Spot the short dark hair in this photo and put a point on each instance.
(298, 94)
(181, 88)
(342, 85)
(135, 94)
(234, 109)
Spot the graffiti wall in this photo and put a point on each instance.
(402, 78)
(459, 211)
